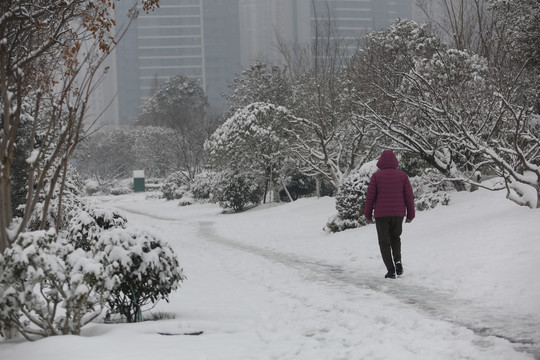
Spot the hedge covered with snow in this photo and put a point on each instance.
(55, 283)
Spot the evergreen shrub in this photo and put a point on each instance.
(430, 190)
(49, 287)
(236, 190)
(84, 228)
(146, 266)
(203, 185)
(351, 200)
(173, 188)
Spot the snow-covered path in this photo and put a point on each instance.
(269, 284)
(522, 331)
(316, 309)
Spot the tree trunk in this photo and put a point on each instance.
(60, 196)
(537, 188)
(271, 185)
(5, 209)
(275, 191)
(286, 190)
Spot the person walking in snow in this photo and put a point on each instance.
(390, 193)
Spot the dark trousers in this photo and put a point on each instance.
(389, 232)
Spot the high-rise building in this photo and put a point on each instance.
(102, 106)
(196, 38)
(170, 42)
(212, 40)
(221, 47)
(295, 22)
(352, 19)
(265, 22)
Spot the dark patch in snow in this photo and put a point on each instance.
(196, 333)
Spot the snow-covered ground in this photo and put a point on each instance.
(269, 283)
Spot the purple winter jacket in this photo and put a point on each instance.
(389, 190)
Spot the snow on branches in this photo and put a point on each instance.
(449, 108)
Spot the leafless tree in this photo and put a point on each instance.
(326, 140)
(467, 25)
(46, 79)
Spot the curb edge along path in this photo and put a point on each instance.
(522, 332)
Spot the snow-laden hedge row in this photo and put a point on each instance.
(49, 287)
(52, 284)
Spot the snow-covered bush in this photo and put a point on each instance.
(147, 267)
(174, 186)
(431, 200)
(429, 190)
(118, 187)
(91, 187)
(337, 224)
(186, 199)
(203, 185)
(153, 195)
(85, 227)
(351, 199)
(48, 287)
(236, 190)
(412, 164)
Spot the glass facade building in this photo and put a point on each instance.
(213, 40)
(196, 38)
(352, 19)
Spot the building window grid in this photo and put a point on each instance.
(154, 37)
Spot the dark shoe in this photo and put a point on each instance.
(399, 268)
(390, 275)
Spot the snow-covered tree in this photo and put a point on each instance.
(449, 111)
(462, 107)
(259, 83)
(467, 25)
(64, 202)
(40, 51)
(107, 156)
(155, 150)
(178, 103)
(379, 68)
(327, 139)
(521, 20)
(181, 105)
(253, 140)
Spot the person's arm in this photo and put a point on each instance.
(370, 198)
(409, 200)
